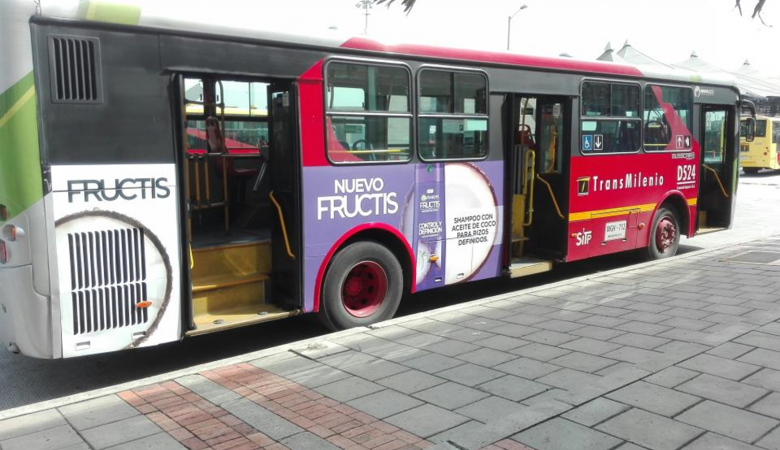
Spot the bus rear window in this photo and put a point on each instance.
(761, 128)
(668, 117)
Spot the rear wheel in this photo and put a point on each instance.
(362, 286)
(664, 236)
(751, 170)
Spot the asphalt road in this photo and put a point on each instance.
(26, 380)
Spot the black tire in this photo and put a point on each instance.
(654, 249)
(751, 170)
(334, 313)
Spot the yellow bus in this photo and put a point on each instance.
(762, 153)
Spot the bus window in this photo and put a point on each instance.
(368, 113)
(610, 121)
(761, 128)
(715, 139)
(776, 132)
(661, 104)
(452, 122)
(550, 146)
(244, 98)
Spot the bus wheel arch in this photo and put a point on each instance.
(360, 265)
(670, 221)
(679, 205)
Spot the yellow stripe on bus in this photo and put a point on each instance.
(17, 106)
(623, 210)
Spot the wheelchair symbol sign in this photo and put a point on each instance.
(587, 142)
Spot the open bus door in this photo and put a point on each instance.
(719, 166)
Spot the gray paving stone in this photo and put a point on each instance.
(590, 346)
(540, 352)
(49, 439)
(286, 366)
(657, 399)
(399, 353)
(96, 412)
(763, 340)
(451, 395)
(769, 405)
(608, 311)
(513, 388)
(433, 363)
(374, 370)
(211, 391)
(722, 367)
(603, 322)
(595, 411)
(771, 441)
(420, 339)
(527, 368)
(571, 316)
(689, 313)
(766, 378)
(561, 434)
(525, 319)
(683, 350)
(349, 388)
(346, 359)
(426, 420)
(261, 419)
(81, 446)
(411, 381)
(688, 324)
(30, 423)
(762, 357)
(643, 328)
(451, 347)
(470, 427)
(672, 376)
(384, 403)
(650, 430)
(583, 362)
(640, 340)
(160, 441)
(569, 379)
(120, 432)
(771, 328)
(307, 441)
(731, 422)
(553, 395)
(559, 325)
(548, 337)
(730, 350)
(712, 441)
(646, 317)
(629, 446)
(470, 374)
(468, 335)
(722, 390)
(491, 409)
(502, 343)
(513, 330)
(486, 357)
(319, 376)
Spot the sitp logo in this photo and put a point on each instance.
(583, 237)
(583, 186)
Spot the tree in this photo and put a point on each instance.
(409, 4)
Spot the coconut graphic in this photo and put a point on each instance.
(472, 220)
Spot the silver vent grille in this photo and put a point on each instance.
(75, 72)
(108, 279)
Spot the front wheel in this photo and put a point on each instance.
(664, 236)
(362, 286)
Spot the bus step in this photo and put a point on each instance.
(519, 238)
(236, 317)
(524, 266)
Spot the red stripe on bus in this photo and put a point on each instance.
(344, 238)
(312, 120)
(493, 57)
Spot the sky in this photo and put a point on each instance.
(668, 30)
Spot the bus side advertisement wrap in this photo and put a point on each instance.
(449, 214)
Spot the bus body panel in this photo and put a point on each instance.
(614, 198)
(449, 214)
(26, 312)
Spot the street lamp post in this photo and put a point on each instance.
(509, 26)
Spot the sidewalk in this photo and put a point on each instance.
(681, 354)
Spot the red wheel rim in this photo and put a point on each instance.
(665, 235)
(364, 289)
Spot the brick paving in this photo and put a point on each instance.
(684, 354)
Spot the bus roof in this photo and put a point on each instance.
(168, 15)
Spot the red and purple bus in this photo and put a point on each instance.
(162, 179)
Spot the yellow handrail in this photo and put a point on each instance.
(281, 221)
(717, 178)
(530, 172)
(552, 196)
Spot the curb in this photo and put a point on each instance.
(110, 390)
